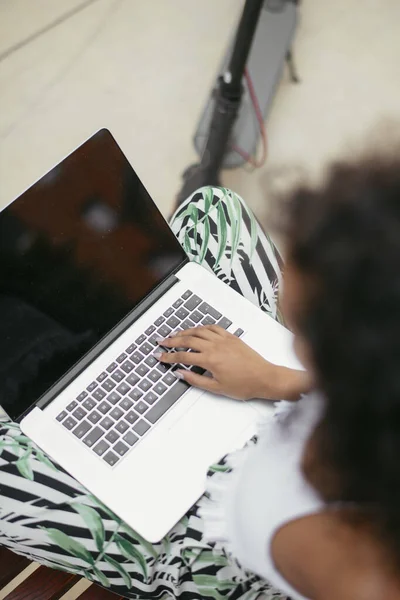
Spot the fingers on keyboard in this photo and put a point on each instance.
(129, 397)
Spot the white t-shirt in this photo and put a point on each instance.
(264, 491)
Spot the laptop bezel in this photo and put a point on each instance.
(84, 362)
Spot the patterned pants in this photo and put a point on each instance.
(48, 516)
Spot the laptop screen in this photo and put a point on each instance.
(78, 251)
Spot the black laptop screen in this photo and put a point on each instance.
(78, 251)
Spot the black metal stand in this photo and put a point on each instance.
(227, 103)
(292, 67)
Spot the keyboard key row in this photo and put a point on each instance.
(181, 313)
(130, 387)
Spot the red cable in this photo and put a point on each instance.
(247, 157)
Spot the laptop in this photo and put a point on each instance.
(90, 275)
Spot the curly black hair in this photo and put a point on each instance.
(344, 236)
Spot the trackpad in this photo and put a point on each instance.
(215, 425)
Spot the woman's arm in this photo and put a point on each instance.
(289, 384)
(237, 370)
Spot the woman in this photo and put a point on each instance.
(311, 506)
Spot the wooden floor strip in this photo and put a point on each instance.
(94, 592)
(18, 579)
(75, 592)
(11, 565)
(43, 584)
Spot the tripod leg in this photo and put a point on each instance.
(292, 67)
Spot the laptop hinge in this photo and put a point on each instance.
(104, 343)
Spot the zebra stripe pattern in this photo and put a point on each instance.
(49, 517)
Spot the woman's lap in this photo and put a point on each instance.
(50, 517)
(219, 231)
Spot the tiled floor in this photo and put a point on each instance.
(144, 70)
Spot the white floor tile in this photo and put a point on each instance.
(144, 69)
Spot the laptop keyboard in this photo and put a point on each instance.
(126, 400)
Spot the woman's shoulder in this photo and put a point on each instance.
(324, 556)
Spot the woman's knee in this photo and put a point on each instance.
(201, 198)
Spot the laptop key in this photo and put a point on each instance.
(130, 438)
(150, 330)
(196, 316)
(81, 429)
(133, 379)
(131, 417)
(62, 415)
(116, 413)
(153, 340)
(135, 394)
(187, 324)
(196, 369)
(182, 313)
(177, 303)
(150, 398)
(142, 370)
(140, 339)
(69, 423)
(123, 388)
(110, 458)
(113, 398)
(89, 403)
(101, 447)
(239, 332)
(169, 379)
(159, 388)
(163, 367)
(159, 321)
(173, 322)
(102, 377)
(72, 405)
(99, 394)
(79, 413)
(187, 294)
(112, 436)
(104, 407)
(206, 309)
(93, 436)
(127, 366)
(137, 357)
(145, 385)
(108, 385)
(208, 320)
(150, 361)
(107, 423)
(164, 331)
(141, 407)
(82, 396)
(168, 312)
(224, 323)
(165, 403)
(121, 448)
(94, 417)
(131, 348)
(122, 426)
(155, 375)
(126, 404)
(92, 386)
(146, 348)
(111, 367)
(192, 303)
(121, 358)
(141, 427)
(118, 375)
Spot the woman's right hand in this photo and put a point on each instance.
(236, 370)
